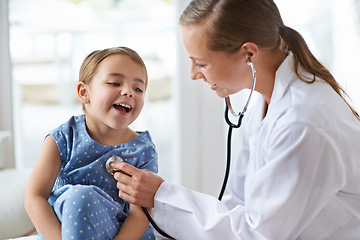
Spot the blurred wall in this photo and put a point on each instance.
(200, 135)
(6, 121)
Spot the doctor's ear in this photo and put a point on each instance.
(82, 92)
(250, 51)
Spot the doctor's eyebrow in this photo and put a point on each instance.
(196, 59)
(123, 76)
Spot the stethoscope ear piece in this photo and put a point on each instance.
(247, 57)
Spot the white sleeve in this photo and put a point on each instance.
(300, 175)
(187, 214)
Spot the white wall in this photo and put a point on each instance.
(346, 37)
(332, 31)
(6, 123)
(200, 135)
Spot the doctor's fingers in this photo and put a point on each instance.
(126, 191)
(132, 193)
(139, 189)
(123, 194)
(140, 201)
(124, 168)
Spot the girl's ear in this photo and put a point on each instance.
(82, 92)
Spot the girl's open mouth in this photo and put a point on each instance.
(123, 107)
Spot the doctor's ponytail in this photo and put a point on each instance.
(294, 42)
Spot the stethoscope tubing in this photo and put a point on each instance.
(228, 108)
(151, 220)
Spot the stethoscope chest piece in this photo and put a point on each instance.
(112, 159)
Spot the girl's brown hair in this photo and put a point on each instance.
(92, 61)
(228, 24)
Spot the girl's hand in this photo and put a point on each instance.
(137, 186)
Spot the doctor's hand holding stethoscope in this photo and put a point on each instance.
(297, 172)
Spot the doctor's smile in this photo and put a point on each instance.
(213, 86)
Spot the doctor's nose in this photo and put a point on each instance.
(196, 75)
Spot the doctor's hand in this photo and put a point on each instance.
(137, 186)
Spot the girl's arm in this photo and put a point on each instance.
(39, 189)
(134, 225)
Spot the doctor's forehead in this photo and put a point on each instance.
(194, 41)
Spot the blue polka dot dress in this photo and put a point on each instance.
(85, 197)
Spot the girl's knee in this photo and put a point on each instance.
(87, 209)
(77, 196)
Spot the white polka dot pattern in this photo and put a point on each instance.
(85, 196)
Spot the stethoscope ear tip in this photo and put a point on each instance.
(249, 62)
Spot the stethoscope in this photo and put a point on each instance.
(232, 125)
(228, 108)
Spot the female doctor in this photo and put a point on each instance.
(298, 172)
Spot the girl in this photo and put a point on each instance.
(70, 194)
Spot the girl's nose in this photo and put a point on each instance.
(127, 91)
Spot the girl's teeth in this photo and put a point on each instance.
(122, 106)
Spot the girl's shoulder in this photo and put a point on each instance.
(74, 122)
(70, 130)
(144, 137)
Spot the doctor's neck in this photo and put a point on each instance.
(267, 63)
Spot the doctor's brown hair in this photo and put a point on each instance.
(92, 61)
(228, 24)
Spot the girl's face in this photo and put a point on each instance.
(115, 95)
(225, 73)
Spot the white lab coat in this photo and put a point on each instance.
(297, 175)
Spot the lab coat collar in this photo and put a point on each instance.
(284, 78)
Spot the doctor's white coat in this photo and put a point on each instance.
(297, 175)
